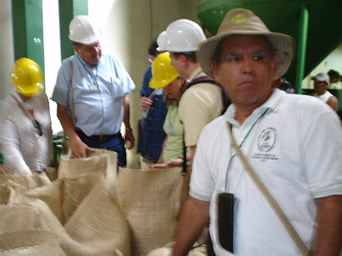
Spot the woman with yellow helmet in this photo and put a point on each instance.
(26, 125)
(165, 76)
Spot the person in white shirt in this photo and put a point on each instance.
(26, 132)
(321, 85)
(293, 143)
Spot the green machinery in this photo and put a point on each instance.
(314, 24)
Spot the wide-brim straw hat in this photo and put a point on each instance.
(244, 22)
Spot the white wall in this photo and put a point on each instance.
(52, 54)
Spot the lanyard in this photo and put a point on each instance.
(241, 144)
(247, 135)
(93, 77)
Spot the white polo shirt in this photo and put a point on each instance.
(294, 144)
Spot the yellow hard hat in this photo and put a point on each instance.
(163, 73)
(27, 77)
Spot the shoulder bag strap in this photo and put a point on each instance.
(72, 94)
(285, 221)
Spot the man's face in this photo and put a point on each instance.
(320, 87)
(90, 54)
(246, 69)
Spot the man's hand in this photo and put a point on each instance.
(145, 102)
(129, 139)
(79, 148)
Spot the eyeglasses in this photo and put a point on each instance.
(37, 126)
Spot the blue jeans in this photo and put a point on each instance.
(116, 144)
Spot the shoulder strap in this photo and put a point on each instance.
(201, 79)
(72, 93)
(260, 185)
(205, 79)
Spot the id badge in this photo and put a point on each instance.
(170, 129)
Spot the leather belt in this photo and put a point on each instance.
(98, 138)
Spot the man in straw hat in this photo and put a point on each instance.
(292, 142)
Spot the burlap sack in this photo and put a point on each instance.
(51, 173)
(65, 195)
(30, 243)
(26, 182)
(151, 201)
(12, 186)
(14, 218)
(78, 207)
(101, 160)
(83, 213)
(144, 164)
(99, 223)
(4, 194)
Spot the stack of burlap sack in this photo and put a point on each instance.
(87, 209)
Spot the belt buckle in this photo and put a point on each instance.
(101, 138)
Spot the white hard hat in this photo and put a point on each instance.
(83, 30)
(181, 36)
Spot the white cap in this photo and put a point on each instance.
(321, 77)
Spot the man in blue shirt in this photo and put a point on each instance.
(91, 94)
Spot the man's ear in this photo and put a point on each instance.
(75, 48)
(184, 60)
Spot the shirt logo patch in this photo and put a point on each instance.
(265, 143)
(267, 139)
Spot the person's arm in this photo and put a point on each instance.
(328, 234)
(192, 151)
(171, 163)
(333, 103)
(78, 147)
(129, 133)
(194, 217)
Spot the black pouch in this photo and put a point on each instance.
(225, 215)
